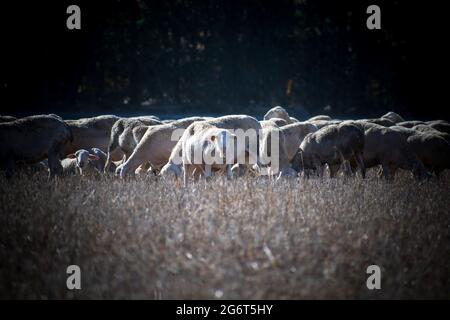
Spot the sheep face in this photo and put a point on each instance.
(224, 141)
(83, 159)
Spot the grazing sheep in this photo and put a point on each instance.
(428, 129)
(92, 133)
(85, 162)
(410, 124)
(293, 136)
(394, 117)
(278, 121)
(323, 123)
(432, 150)
(232, 122)
(320, 117)
(7, 119)
(440, 125)
(279, 112)
(390, 149)
(269, 131)
(206, 148)
(385, 122)
(333, 145)
(155, 146)
(32, 139)
(124, 137)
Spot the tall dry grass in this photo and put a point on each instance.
(241, 239)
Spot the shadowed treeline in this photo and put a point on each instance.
(221, 57)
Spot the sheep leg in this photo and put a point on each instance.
(361, 166)
(386, 171)
(334, 168)
(9, 167)
(229, 172)
(208, 171)
(54, 165)
(185, 173)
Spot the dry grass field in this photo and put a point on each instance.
(247, 238)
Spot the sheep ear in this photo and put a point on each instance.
(71, 156)
(93, 157)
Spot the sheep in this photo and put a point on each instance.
(440, 125)
(394, 117)
(432, 150)
(293, 136)
(278, 121)
(232, 122)
(270, 131)
(32, 139)
(320, 117)
(7, 119)
(410, 124)
(428, 129)
(92, 132)
(124, 137)
(206, 148)
(333, 145)
(323, 123)
(155, 146)
(385, 122)
(390, 149)
(279, 112)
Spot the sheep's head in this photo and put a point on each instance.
(83, 158)
(171, 170)
(277, 112)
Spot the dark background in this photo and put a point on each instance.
(218, 57)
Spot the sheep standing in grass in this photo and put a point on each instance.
(92, 133)
(155, 146)
(82, 162)
(125, 137)
(294, 134)
(33, 139)
(279, 112)
(390, 149)
(392, 116)
(242, 123)
(334, 145)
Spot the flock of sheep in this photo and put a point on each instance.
(146, 144)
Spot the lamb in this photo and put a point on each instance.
(394, 117)
(31, 140)
(125, 137)
(333, 145)
(155, 146)
(232, 122)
